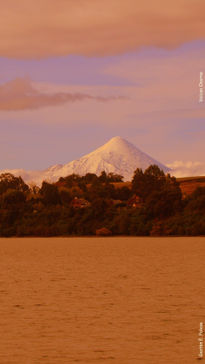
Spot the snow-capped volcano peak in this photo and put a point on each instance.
(117, 156)
(118, 145)
(114, 143)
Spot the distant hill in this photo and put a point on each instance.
(187, 184)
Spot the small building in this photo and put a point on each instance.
(135, 202)
(103, 232)
(117, 202)
(80, 203)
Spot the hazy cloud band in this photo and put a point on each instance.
(19, 94)
(43, 28)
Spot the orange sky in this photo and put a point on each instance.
(74, 73)
(43, 28)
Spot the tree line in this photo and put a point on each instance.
(75, 205)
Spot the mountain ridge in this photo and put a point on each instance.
(117, 156)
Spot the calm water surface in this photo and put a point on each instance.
(101, 300)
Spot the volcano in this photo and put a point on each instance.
(117, 156)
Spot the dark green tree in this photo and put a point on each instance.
(9, 181)
(49, 193)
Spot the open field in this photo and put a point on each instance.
(187, 184)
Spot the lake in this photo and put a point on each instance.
(123, 300)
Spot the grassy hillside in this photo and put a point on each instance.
(187, 184)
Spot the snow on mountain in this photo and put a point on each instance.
(117, 156)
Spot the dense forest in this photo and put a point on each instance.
(101, 205)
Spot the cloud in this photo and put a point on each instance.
(43, 28)
(20, 94)
(187, 169)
